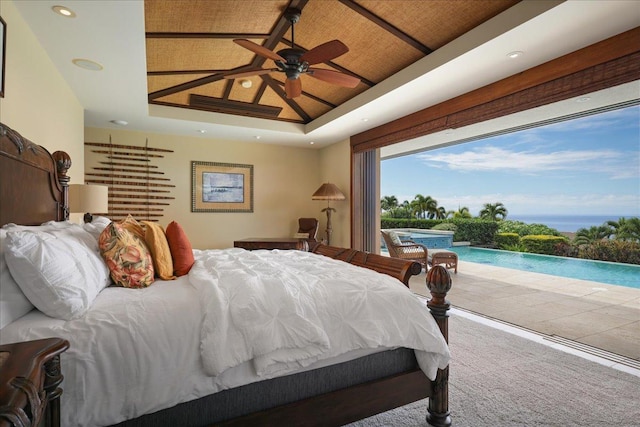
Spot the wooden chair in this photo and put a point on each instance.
(308, 226)
(405, 249)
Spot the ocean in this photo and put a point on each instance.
(566, 223)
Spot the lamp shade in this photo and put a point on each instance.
(328, 191)
(88, 198)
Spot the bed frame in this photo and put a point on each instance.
(34, 189)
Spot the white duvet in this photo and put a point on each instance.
(284, 310)
(137, 351)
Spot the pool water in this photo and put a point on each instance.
(597, 271)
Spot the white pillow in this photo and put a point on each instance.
(13, 303)
(60, 271)
(96, 226)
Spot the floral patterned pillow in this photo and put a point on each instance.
(129, 261)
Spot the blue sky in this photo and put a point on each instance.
(587, 166)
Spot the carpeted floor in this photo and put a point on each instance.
(498, 379)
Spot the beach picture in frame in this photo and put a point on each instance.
(3, 53)
(221, 187)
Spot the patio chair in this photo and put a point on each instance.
(405, 249)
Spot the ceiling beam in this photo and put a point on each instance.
(273, 84)
(387, 26)
(160, 35)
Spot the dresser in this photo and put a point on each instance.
(30, 376)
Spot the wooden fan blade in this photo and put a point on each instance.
(260, 50)
(325, 52)
(293, 88)
(334, 77)
(254, 72)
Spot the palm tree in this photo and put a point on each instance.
(388, 203)
(462, 212)
(626, 229)
(441, 213)
(493, 212)
(422, 205)
(593, 234)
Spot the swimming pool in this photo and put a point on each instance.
(598, 271)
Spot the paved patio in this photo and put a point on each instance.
(571, 311)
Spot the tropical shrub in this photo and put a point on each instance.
(612, 250)
(503, 240)
(386, 222)
(565, 249)
(585, 236)
(446, 226)
(541, 244)
(518, 247)
(524, 229)
(476, 231)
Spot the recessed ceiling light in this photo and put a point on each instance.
(584, 99)
(365, 120)
(246, 83)
(87, 64)
(515, 54)
(257, 137)
(64, 11)
(312, 142)
(202, 131)
(119, 122)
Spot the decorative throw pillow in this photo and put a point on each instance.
(160, 253)
(127, 257)
(181, 250)
(130, 223)
(59, 271)
(395, 239)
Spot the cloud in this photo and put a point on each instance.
(491, 158)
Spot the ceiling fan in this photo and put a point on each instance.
(295, 62)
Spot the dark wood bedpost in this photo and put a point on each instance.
(63, 164)
(439, 283)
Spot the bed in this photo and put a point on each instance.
(165, 328)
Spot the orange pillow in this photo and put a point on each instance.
(127, 257)
(181, 249)
(159, 247)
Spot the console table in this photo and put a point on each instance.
(254, 243)
(29, 378)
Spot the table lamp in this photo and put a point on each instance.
(88, 198)
(328, 192)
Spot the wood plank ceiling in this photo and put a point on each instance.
(190, 48)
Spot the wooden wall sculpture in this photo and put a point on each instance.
(136, 185)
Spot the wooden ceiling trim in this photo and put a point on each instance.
(229, 106)
(160, 35)
(387, 26)
(227, 89)
(261, 89)
(194, 83)
(311, 96)
(273, 84)
(181, 72)
(603, 64)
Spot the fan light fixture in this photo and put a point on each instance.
(294, 62)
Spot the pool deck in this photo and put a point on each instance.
(571, 311)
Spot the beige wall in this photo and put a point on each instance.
(335, 167)
(37, 102)
(284, 180)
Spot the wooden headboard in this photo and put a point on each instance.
(33, 183)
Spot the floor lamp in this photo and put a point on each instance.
(328, 192)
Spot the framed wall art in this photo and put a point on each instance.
(3, 53)
(221, 187)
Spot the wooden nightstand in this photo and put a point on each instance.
(29, 378)
(272, 243)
